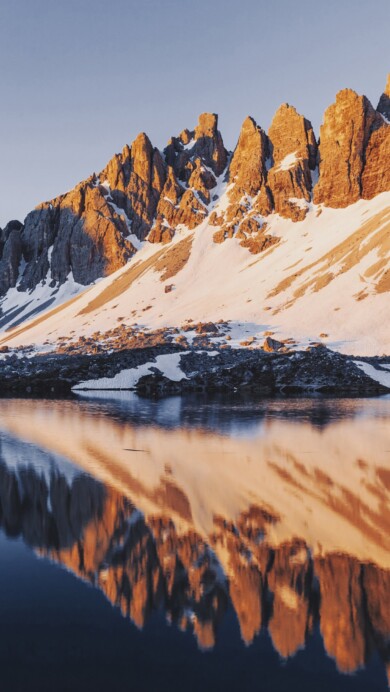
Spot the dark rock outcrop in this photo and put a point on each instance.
(240, 370)
(10, 255)
(384, 101)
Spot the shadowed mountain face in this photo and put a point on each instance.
(141, 542)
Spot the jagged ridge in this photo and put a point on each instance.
(95, 229)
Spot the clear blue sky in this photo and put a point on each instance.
(80, 78)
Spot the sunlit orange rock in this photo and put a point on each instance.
(344, 136)
(294, 154)
(376, 172)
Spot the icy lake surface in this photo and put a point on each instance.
(194, 544)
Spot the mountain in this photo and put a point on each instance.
(286, 234)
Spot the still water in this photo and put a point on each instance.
(194, 544)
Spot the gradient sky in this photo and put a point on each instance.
(80, 78)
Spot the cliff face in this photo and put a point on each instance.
(143, 193)
(248, 195)
(78, 233)
(10, 254)
(344, 136)
(294, 150)
(133, 182)
(376, 172)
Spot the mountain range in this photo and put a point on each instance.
(285, 236)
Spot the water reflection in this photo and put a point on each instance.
(288, 523)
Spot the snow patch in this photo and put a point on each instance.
(299, 202)
(168, 365)
(134, 240)
(106, 186)
(18, 306)
(288, 162)
(314, 177)
(378, 375)
(189, 145)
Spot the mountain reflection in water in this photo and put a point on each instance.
(281, 513)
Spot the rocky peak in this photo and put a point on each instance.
(137, 159)
(291, 133)
(294, 155)
(207, 125)
(344, 134)
(141, 154)
(185, 136)
(194, 160)
(384, 101)
(136, 179)
(205, 143)
(209, 144)
(247, 168)
(11, 227)
(248, 194)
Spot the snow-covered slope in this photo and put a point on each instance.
(326, 279)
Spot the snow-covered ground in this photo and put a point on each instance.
(319, 283)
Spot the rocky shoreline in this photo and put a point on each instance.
(316, 371)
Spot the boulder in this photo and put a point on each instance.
(270, 345)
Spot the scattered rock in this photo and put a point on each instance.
(206, 328)
(270, 345)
